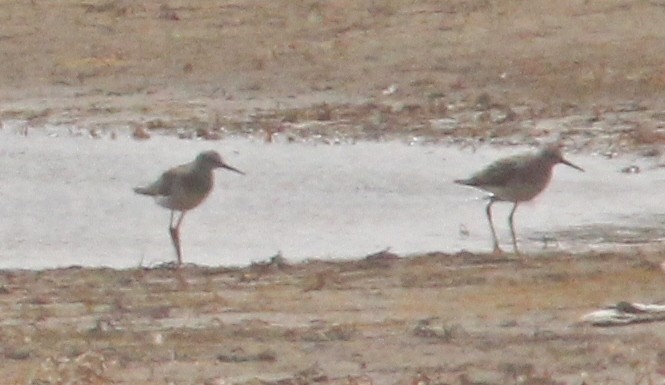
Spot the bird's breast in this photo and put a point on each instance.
(524, 186)
(188, 193)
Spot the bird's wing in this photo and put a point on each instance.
(498, 173)
(166, 181)
(162, 186)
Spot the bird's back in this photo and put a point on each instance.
(180, 188)
(164, 185)
(517, 178)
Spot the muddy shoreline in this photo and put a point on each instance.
(433, 319)
(464, 74)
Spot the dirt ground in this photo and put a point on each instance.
(431, 319)
(459, 71)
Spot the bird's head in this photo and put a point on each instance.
(552, 154)
(211, 159)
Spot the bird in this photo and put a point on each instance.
(517, 179)
(184, 187)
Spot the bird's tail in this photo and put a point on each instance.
(143, 190)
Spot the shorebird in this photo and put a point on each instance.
(184, 187)
(516, 179)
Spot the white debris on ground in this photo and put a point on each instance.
(625, 313)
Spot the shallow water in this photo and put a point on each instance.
(69, 201)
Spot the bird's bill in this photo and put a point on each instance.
(567, 163)
(226, 166)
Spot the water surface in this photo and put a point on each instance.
(69, 201)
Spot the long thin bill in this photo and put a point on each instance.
(226, 166)
(567, 163)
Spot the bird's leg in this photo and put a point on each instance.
(488, 210)
(175, 235)
(512, 228)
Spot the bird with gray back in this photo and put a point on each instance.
(184, 187)
(516, 179)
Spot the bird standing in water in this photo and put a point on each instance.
(184, 187)
(516, 179)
